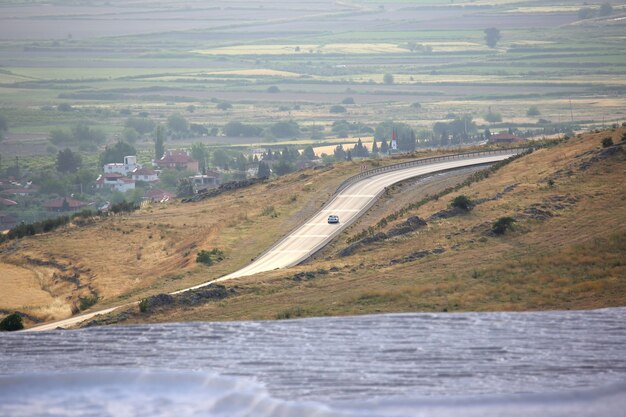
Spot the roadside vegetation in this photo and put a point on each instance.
(11, 323)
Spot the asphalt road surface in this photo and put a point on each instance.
(316, 232)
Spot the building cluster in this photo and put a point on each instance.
(120, 176)
(125, 175)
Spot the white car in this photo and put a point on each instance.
(333, 219)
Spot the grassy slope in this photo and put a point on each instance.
(570, 260)
(153, 250)
(574, 259)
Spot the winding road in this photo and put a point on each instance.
(349, 203)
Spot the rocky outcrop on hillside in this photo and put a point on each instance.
(409, 225)
(165, 302)
(228, 186)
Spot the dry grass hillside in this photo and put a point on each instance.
(126, 257)
(565, 251)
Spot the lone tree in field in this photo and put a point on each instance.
(309, 153)
(388, 79)
(606, 9)
(4, 125)
(199, 153)
(116, 153)
(177, 123)
(184, 187)
(462, 202)
(586, 13)
(68, 161)
(337, 109)
(159, 147)
(533, 111)
(492, 37)
(264, 170)
(224, 105)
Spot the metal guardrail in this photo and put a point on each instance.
(422, 161)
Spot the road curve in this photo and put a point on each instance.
(348, 204)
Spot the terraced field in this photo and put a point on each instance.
(159, 59)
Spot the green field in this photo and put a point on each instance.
(103, 58)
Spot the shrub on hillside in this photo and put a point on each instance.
(209, 257)
(462, 202)
(606, 142)
(86, 302)
(533, 111)
(11, 323)
(501, 225)
(269, 211)
(124, 206)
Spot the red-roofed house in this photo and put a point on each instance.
(178, 159)
(505, 138)
(20, 191)
(115, 181)
(64, 204)
(145, 174)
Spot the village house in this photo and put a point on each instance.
(63, 204)
(115, 181)
(12, 187)
(258, 152)
(23, 192)
(145, 175)
(179, 160)
(130, 164)
(211, 179)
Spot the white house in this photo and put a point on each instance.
(209, 180)
(115, 181)
(130, 164)
(145, 175)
